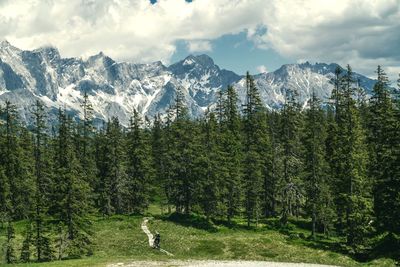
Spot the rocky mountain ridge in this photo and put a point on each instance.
(116, 88)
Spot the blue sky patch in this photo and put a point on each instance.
(235, 52)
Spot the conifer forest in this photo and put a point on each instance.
(334, 163)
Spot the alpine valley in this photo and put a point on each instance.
(117, 88)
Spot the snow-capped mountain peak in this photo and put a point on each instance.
(5, 44)
(115, 89)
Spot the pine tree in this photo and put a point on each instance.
(210, 169)
(15, 169)
(316, 168)
(266, 154)
(139, 168)
(102, 187)
(110, 159)
(4, 187)
(15, 200)
(331, 150)
(11, 161)
(353, 183)
(116, 158)
(87, 126)
(221, 105)
(230, 132)
(160, 164)
(291, 187)
(182, 153)
(27, 169)
(384, 154)
(273, 172)
(42, 242)
(337, 92)
(85, 143)
(72, 204)
(254, 138)
(163, 159)
(335, 136)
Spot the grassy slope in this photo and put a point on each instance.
(120, 239)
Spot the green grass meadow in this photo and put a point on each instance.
(120, 239)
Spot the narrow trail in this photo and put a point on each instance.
(151, 237)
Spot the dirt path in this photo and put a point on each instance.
(212, 263)
(151, 237)
(147, 231)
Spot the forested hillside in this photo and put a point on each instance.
(336, 164)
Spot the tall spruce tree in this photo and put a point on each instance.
(353, 183)
(182, 154)
(335, 137)
(42, 240)
(253, 164)
(5, 203)
(102, 187)
(291, 187)
(139, 167)
(210, 169)
(12, 162)
(87, 127)
(85, 142)
(162, 161)
(110, 158)
(319, 202)
(230, 133)
(72, 206)
(27, 155)
(273, 174)
(384, 155)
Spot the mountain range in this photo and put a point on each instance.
(116, 88)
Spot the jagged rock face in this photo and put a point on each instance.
(202, 78)
(115, 89)
(303, 79)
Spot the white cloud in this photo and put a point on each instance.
(394, 72)
(199, 46)
(262, 69)
(124, 29)
(363, 33)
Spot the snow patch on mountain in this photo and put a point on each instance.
(116, 89)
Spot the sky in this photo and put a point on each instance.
(240, 35)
